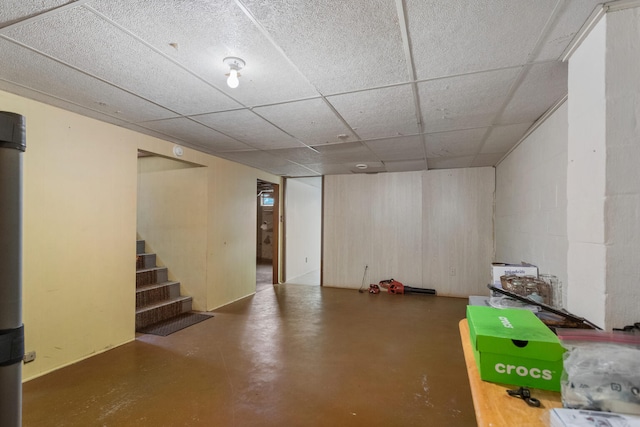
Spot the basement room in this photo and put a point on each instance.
(345, 213)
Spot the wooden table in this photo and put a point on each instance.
(493, 406)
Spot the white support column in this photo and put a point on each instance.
(622, 206)
(603, 178)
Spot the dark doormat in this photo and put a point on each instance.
(169, 326)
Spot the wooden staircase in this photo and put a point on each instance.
(157, 298)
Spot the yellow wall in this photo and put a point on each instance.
(80, 190)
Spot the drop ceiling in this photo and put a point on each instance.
(397, 85)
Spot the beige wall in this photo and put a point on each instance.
(80, 180)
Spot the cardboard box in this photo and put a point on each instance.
(513, 346)
(501, 269)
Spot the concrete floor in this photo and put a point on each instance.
(264, 275)
(290, 355)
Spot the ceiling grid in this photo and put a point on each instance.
(396, 85)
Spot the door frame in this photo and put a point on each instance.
(276, 234)
(277, 219)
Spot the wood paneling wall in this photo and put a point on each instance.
(457, 230)
(374, 221)
(413, 227)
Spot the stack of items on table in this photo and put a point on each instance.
(563, 417)
(523, 280)
(520, 286)
(596, 372)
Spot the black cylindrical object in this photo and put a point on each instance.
(410, 290)
(12, 146)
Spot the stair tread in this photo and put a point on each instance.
(144, 270)
(155, 285)
(162, 303)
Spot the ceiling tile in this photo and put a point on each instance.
(301, 155)
(348, 152)
(137, 128)
(450, 162)
(543, 85)
(487, 159)
(16, 10)
(455, 143)
(464, 102)
(502, 138)
(572, 15)
(332, 168)
(266, 161)
(311, 121)
(379, 113)
(21, 65)
(256, 158)
(371, 167)
(338, 45)
(331, 75)
(60, 103)
(400, 148)
(466, 36)
(292, 170)
(195, 133)
(203, 34)
(406, 166)
(84, 40)
(249, 128)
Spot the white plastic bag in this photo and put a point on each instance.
(601, 370)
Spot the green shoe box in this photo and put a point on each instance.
(513, 346)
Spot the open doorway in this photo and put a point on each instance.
(171, 229)
(303, 231)
(267, 234)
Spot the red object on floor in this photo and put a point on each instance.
(396, 287)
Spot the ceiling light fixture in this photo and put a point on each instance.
(361, 166)
(235, 65)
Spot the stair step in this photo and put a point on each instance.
(160, 311)
(140, 246)
(145, 261)
(149, 276)
(150, 294)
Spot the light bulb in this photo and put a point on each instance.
(233, 81)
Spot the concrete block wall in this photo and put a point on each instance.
(568, 197)
(586, 177)
(531, 199)
(603, 177)
(622, 207)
